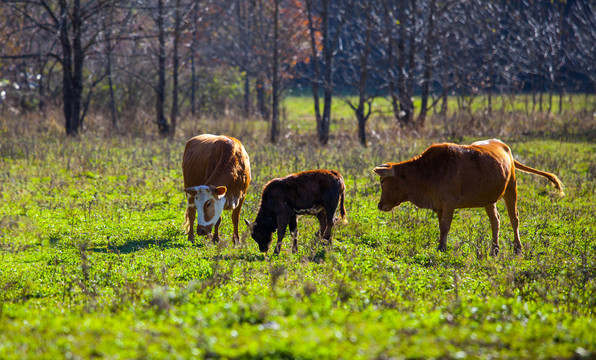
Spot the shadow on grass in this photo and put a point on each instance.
(237, 257)
(138, 245)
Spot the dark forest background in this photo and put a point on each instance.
(169, 59)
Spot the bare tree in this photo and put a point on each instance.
(355, 67)
(175, 67)
(276, 81)
(583, 33)
(65, 24)
(315, 78)
(333, 18)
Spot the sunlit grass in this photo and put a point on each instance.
(95, 262)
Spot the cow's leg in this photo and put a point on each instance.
(294, 232)
(236, 220)
(493, 216)
(329, 213)
(215, 237)
(191, 213)
(322, 224)
(283, 220)
(281, 231)
(510, 198)
(445, 218)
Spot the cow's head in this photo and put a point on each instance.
(393, 187)
(209, 202)
(261, 234)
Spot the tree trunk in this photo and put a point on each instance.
(363, 79)
(246, 109)
(392, 84)
(404, 79)
(78, 66)
(261, 99)
(276, 88)
(175, 66)
(401, 64)
(420, 122)
(323, 126)
(361, 124)
(193, 70)
(162, 124)
(113, 113)
(490, 102)
(70, 125)
(315, 63)
(41, 86)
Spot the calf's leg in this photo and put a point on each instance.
(493, 216)
(445, 217)
(294, 232)
(329, 217)
(322, 223)
(330, 207)
(510, 198)
(324, 226)
(282, 223)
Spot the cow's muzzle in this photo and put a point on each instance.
(204, 230)
(384, 207)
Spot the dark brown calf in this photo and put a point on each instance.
(315, 192)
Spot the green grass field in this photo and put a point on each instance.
(95, 264)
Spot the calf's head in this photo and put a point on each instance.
(261, 234)
(209, 202)
(393, 187)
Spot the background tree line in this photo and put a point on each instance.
(166, 58)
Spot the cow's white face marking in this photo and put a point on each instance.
(209, 202)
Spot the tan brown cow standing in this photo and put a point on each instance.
(216, 176)
(447, 176)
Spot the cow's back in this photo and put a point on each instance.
(216, 160)
(473, 175)
(304, 189)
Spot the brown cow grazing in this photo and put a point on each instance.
(446, 177)
(314, 192)
(216, 176)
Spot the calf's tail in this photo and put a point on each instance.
(552, 177)
(342, 208)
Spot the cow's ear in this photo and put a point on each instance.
(220, 191)
(191, 191)
(249, 224)
(384, 170)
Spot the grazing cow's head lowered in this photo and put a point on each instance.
(262, 232)
(393, 187)
(209, 202)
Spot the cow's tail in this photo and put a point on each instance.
(342, 208)
(552, 177)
